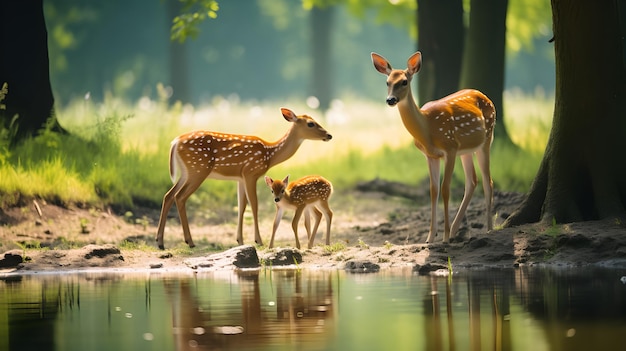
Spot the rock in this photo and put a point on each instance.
(361, 267)
(11, 259)
(284, 257)
(244, 256)
(427, 268)
(100, 251)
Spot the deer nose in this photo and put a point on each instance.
(276, 199)
(328, 137)
(392, 100)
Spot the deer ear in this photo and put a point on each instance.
(286, 180)
(414, 63)
(381, 64)
(268, 181)
(288, 114)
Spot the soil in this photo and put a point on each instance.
(377, 223)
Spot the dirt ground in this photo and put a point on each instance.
(377, 222)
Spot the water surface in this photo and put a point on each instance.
(508, 309)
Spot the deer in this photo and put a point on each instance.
(460, 124)
(201, 154)
(307, 194)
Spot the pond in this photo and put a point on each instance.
(503, 309)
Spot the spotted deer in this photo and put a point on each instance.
(203, 154)
(460, 124)
(305, 195)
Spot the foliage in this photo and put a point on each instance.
(399, 13)
(527, 20)
(194, 12)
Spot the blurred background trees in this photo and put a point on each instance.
(265, 49)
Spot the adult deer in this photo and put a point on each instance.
(459, 124)
(307, 194)
(203, 154)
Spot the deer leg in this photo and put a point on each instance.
(470, 185)
(188, 188)
(241, 209)
(328, 214)
(277, 218)
(482, 156)
(250, 183)
(294, 224)
(168, 201)
(445, 192)
(318, 219)
(434, 170)
(307, 221)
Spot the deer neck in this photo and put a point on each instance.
(284, 148)
(414, 120)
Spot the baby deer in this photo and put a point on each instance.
(307, 194)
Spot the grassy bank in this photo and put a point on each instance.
(116, 152)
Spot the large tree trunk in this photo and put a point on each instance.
(442, 46)
(321, 28)
(483, 63)
(583, 173)
(24, 67)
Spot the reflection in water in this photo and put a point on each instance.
(513, 309)
(292, 311)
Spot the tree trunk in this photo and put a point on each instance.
(583, 173)
(321, 29)
(442, 47)
(24, 67)
(483, 63)
(179, 64)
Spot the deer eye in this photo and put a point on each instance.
(387, 83)
(310, 124)
(405, 82)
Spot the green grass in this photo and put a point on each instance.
(116, 152)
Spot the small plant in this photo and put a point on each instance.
(361, 244)
(298, 268)
(30, 244)
(143, 221)
(497, 226)
(334, 247)
(554, 229)
(84, 229)
(388, 245)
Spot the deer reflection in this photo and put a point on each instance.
(484, 303)
(293, 308)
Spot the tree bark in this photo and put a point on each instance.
(24, 67)
(442, 47)
(483, 62)
(583, 175)
(321, 53)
